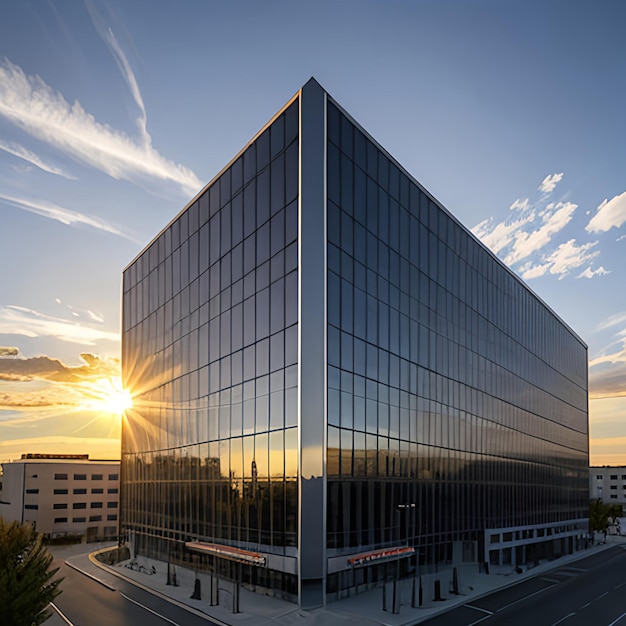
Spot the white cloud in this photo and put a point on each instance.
(621, 238)
(22, 153)
(550, 182)
(17, 320)
(589, 273)
(129, 77)
(555, 217)
(60, 214)
(619, 318)
(33, 106)
(569, 256)
(608, 369)
(610, 213)
(520, 205)
(534, 271)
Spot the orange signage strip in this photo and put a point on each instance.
(376, 555)
(227, 552)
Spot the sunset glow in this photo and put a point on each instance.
(108, 396)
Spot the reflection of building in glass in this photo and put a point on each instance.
(333, 377)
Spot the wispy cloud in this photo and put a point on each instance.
(589, 273)
(527, 240)
(553, 218)
(607, 370)
(613, 320)
(561, 262)
(22, 153)
(131, 81)
(550, 182)
(9, 351)
(17, 320)
(82, 313)
(36, 108)
(60, 214)
(611, 213)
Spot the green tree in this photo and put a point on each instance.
(599, 513)
(26, 580)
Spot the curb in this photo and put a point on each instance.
(154, 592)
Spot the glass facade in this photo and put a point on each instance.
(210, 355)
(457, 401)
(326, 364)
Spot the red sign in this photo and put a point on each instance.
(227, 552)
(377, 555)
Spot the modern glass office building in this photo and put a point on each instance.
(333, 378)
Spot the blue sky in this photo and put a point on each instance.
(113, 114)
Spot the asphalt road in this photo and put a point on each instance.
(588, 592)
(85, 602)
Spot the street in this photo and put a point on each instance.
(588, 592)
(86, 602)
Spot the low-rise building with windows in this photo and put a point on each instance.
(608, 484)
(62, 495)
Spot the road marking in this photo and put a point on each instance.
(606, 593)
(617, 620)
(471, 606)
(563, 619)
(167, 619)
(95, 578)
(620, 585)
(482, 619)
(584, 606)
(550, 580)
(58, 610)
(506, 606)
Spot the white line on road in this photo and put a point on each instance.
(58, 610)
(606, 593)
(584, 606)
(148, 609)
(471, 606)
(82, 571)
(482, 619)
(620, 585)
(524, 598)
(563, 619)
(617, 620)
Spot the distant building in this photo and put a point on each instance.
(335, 381)
(608, 484)
(62, 494)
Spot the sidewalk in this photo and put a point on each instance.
(363, 608)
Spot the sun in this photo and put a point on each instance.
(108, 396)
(117, 401)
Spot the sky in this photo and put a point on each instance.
(114, 114)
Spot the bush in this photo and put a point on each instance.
(26, 580)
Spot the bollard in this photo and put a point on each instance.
(196, 595)
(396, 604)
(455, 581)
(437, 597)
(421, 594)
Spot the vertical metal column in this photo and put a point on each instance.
(312, 344)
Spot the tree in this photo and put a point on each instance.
(599, 513)
(26, 580)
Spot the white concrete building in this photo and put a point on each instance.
(62, 494)
(608, 484)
